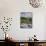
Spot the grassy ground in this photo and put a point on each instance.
(26, 20)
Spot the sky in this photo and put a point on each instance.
(26, 14)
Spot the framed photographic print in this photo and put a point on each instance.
(26, 20)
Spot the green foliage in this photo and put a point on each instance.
(26, 20)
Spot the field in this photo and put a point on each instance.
(25, 22)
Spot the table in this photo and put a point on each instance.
(27, 43)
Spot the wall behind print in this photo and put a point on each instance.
(12, 8)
